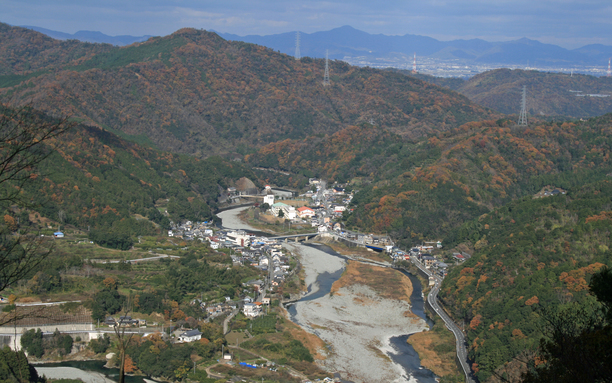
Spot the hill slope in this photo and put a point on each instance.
(94, 178)
(194, 92)
(422, 189)
(531, 256)
(548, 94)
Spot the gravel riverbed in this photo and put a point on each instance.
(355, 323)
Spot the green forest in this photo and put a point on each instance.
(92, 179)
(531, 257)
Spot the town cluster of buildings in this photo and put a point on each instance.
(327, 204)
(421, 253)
(190, 230)
(246, 249)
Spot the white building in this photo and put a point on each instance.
(305, 212)
(190, 336)
(288, 211)
(269, 199)
(251, 310)
(239, 237)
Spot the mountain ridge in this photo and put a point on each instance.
(90, 36)
(194, 92)
(512, 52)
(349, 41)
(548, 94)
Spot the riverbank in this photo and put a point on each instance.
(232, 220)
(436, 349)
(358, 317)
(357, 253)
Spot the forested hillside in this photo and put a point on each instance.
(421, 190)
(548, 94)
(193, 92)
(531, 257)
(92, 178)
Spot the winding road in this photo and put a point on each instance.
(461, 344)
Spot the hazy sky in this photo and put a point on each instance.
(567, 23)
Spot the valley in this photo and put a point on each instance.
(155, 138)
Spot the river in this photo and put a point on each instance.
(340, 322)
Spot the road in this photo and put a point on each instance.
(227, 320)
(432, 298)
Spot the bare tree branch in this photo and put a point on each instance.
(23, 133)
(24, 136)
(123, 339)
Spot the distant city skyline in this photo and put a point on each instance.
(567, 23)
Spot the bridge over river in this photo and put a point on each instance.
(295, 237)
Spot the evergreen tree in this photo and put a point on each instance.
(32, 342)
(578, 342)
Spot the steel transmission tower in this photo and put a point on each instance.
(326, 77)
(414, 64)
(297, 46)
(523, 116)
(609, 69)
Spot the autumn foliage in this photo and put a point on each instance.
(194, 92)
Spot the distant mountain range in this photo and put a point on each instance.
(91, 36)
(348, 41)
